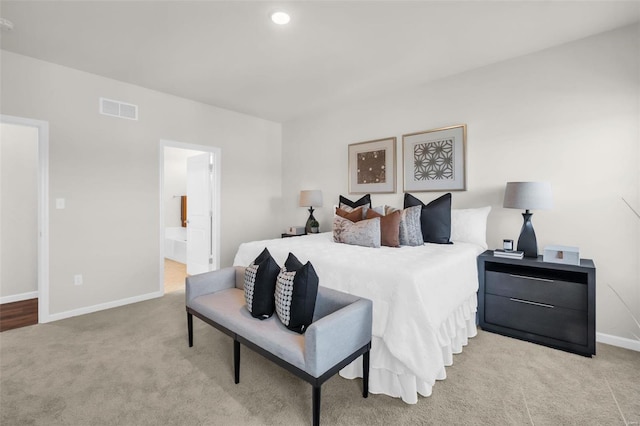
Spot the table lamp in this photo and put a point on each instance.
(311, 199)
(528, 196)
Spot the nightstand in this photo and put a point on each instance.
(546, 303)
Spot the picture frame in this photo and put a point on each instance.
(435, 160)
(372, 166)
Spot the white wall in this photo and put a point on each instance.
(568, 115)
(107, 169)
(18, 209)
(175, 182)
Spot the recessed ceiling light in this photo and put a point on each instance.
(280, 18)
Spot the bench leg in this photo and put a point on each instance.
(236, 361)
(316, 405)
(190, 328)
(365, 374)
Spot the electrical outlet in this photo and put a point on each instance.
(77, 279)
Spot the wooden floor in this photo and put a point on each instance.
(174, 275)
(18, 314)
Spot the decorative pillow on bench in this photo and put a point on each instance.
(260, 284)
(296, 291)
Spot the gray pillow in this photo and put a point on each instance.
(365, 233)
(410, 227)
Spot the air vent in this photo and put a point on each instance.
(118, 109)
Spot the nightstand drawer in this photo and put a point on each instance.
(564, 294)
(547, 320)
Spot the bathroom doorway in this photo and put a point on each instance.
(189, 222)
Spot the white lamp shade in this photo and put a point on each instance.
(528, 196)
(311, 198)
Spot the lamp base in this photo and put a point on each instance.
(527, 241)
(307, 227)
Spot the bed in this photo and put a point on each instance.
(424, 301)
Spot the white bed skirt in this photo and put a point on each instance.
(387, 375)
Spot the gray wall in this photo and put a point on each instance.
(568, 115)
(108, 171)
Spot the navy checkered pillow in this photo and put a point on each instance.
(260, 284)
(295, 296)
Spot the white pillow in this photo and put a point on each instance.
(470, 225)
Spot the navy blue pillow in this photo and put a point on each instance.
(365, 200)
(435, 218)
(292, 263)
(260, 284)
(296, 292)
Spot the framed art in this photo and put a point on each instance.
(372, 166)
(434, 160)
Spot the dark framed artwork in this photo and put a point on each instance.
(372, 166)
(434, 160)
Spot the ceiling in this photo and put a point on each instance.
(230, 54)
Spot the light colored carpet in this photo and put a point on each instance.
(132, 366)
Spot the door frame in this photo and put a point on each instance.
(215, 197)
(43, 208)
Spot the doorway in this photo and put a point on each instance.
(24, 245)
(189, 212)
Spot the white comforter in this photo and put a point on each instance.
(424, 302)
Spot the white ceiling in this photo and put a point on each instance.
(229, 53)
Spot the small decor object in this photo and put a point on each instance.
(296, 230)
(507, 245)
(434, 160)
(314, 226)
(528, 196)
(372, 166)
(311, 199)
(295, 294)
(566, 255)
(509, 254)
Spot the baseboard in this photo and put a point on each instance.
(621, 342)
(18, 297)
(103, 306)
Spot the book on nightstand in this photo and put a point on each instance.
(509, 254)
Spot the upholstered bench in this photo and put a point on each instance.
(340, 331)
